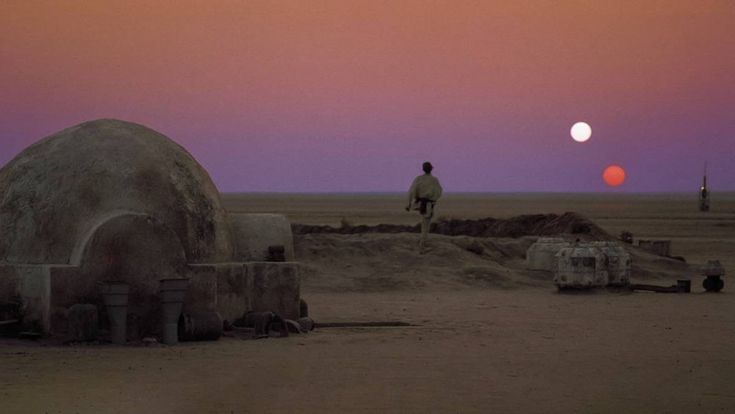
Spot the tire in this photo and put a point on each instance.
(720, 285)
(713, 284)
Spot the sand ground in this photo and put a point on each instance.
(494, 346)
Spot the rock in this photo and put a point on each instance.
(306, 324)
(260, 322)
(293, 326)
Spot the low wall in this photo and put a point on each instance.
(32, 285)
(276, 287)
(232, 289)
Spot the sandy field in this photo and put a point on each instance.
(488, 336)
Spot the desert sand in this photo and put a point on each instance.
(488, 336)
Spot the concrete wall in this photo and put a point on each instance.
(32, 285)
(9, 283)
(46, 291)
(222, 287)
(276, 287)
(252, 286)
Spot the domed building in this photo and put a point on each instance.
(109, 200)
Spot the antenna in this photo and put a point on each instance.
(704, 185)
(703, 192)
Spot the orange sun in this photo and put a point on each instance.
(614, 175)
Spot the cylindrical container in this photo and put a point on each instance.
(115, 296)
(200, 326)
(173, 292)
(306, 323)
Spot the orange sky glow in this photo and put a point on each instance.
(466, 84)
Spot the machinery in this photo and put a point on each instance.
(581, 266)
(713, 272)
(542, 254)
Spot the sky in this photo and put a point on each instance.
(352, 96)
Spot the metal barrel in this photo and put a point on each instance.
(200, 326)
(115, 297)
(172, 293)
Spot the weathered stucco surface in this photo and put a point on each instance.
(254, 233)
(109, 200)
(276, 287)
(56, 190)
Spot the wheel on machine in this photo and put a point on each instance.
(713, 284)
(720, 285)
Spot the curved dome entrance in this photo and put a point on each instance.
(136, 249)
(110, 200)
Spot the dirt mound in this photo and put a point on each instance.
(519, 226)
(361, 229)
(526, 225)
(391, 262)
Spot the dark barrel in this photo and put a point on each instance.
(200, 326)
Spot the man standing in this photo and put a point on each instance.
(425, 191)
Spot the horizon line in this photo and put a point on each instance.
(615, 193)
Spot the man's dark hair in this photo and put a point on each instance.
(427, 167)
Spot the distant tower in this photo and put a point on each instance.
(704, 193)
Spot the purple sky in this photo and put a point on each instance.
(353, 95)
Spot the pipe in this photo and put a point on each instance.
(361, 324)
(9, 322)
(678, 288)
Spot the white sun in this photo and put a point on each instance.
(581, 131)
